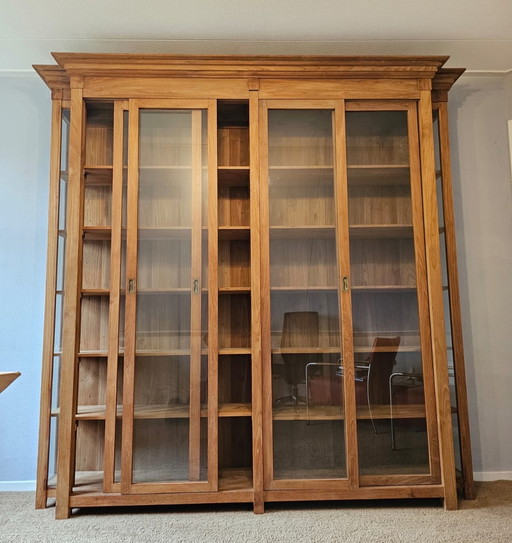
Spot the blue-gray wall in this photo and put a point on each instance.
(25, 116)
(483, 199)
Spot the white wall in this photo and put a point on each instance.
(24, 162)
(483, 200)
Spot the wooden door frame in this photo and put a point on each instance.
(211, 484)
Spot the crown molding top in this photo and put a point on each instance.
(118, 65)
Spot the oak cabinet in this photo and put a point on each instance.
(244, 295)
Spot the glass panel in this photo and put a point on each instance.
(308, 425)
(446, 294)
(59, 296)
(172, 299)
(389, 376)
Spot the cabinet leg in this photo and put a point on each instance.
(62, 513)
(450, 503)
(259, 504)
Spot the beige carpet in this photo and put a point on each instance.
(488, 519)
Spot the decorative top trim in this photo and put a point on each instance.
(91, 64)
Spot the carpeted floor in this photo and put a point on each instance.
(488, 519)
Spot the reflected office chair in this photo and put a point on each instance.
(375, 373)
(300, 330)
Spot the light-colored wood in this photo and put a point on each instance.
(161, 88)
(422, 290)
(66, 436)
(131, 300)
(49, 310)
(256, 330)
(234, 226)
(194, 455)
(344, 297)
(435, 296)
(455, 308)
(7, 377)
(264, 274)
(363, 493)
(114, 301)
(213, 303)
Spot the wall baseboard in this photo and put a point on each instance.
(492, 475)
(17, 486)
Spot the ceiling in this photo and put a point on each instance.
(477, 34)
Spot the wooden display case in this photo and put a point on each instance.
(238, 247)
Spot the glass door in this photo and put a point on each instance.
(168, 399)
(396, 424)
(305, 431)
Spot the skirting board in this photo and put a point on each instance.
(492, 475)
(17, 486)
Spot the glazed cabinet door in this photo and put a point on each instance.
(169, 403)
(303, 321)
(396, 421)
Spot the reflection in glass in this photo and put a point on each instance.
(390, 400)
(308, 425)
(170, 427)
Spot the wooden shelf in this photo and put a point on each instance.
(234, 290)
(100, 176)
(300, 175)
(165, 233)
(383, 288)
(378, 174)
(302, 232)
(306, 350)
(234, 350)
(233, 479)
(168, 174)
(95, 292)
(308, 288)
(163, 411)
(334, 412)
(233, 176)
(381, 231)
(97, 233)
(234, 232)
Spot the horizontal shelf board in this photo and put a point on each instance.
(97, 233)
(234, 232)
(233, 176)
(333, 412)
(170, 232)
(302, 232)
(306, 350)
(231, 479)
(170, 175)
(401, 349)
(163, 411)
(383, 288)
(378, 174)
(381, 231)
(98, 175)
(163, 291)
(235, 350)
(95, 292)
(234, 290)
(319, 289)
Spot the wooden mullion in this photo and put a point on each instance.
(256, 331)
(264, 271)
(422, 292)
(131, 300)
(49, 311)
(114, 304)
(436, 305)
(213, 303)
(70, 334)
(455, 309)
(195, 301)
(345, 297)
